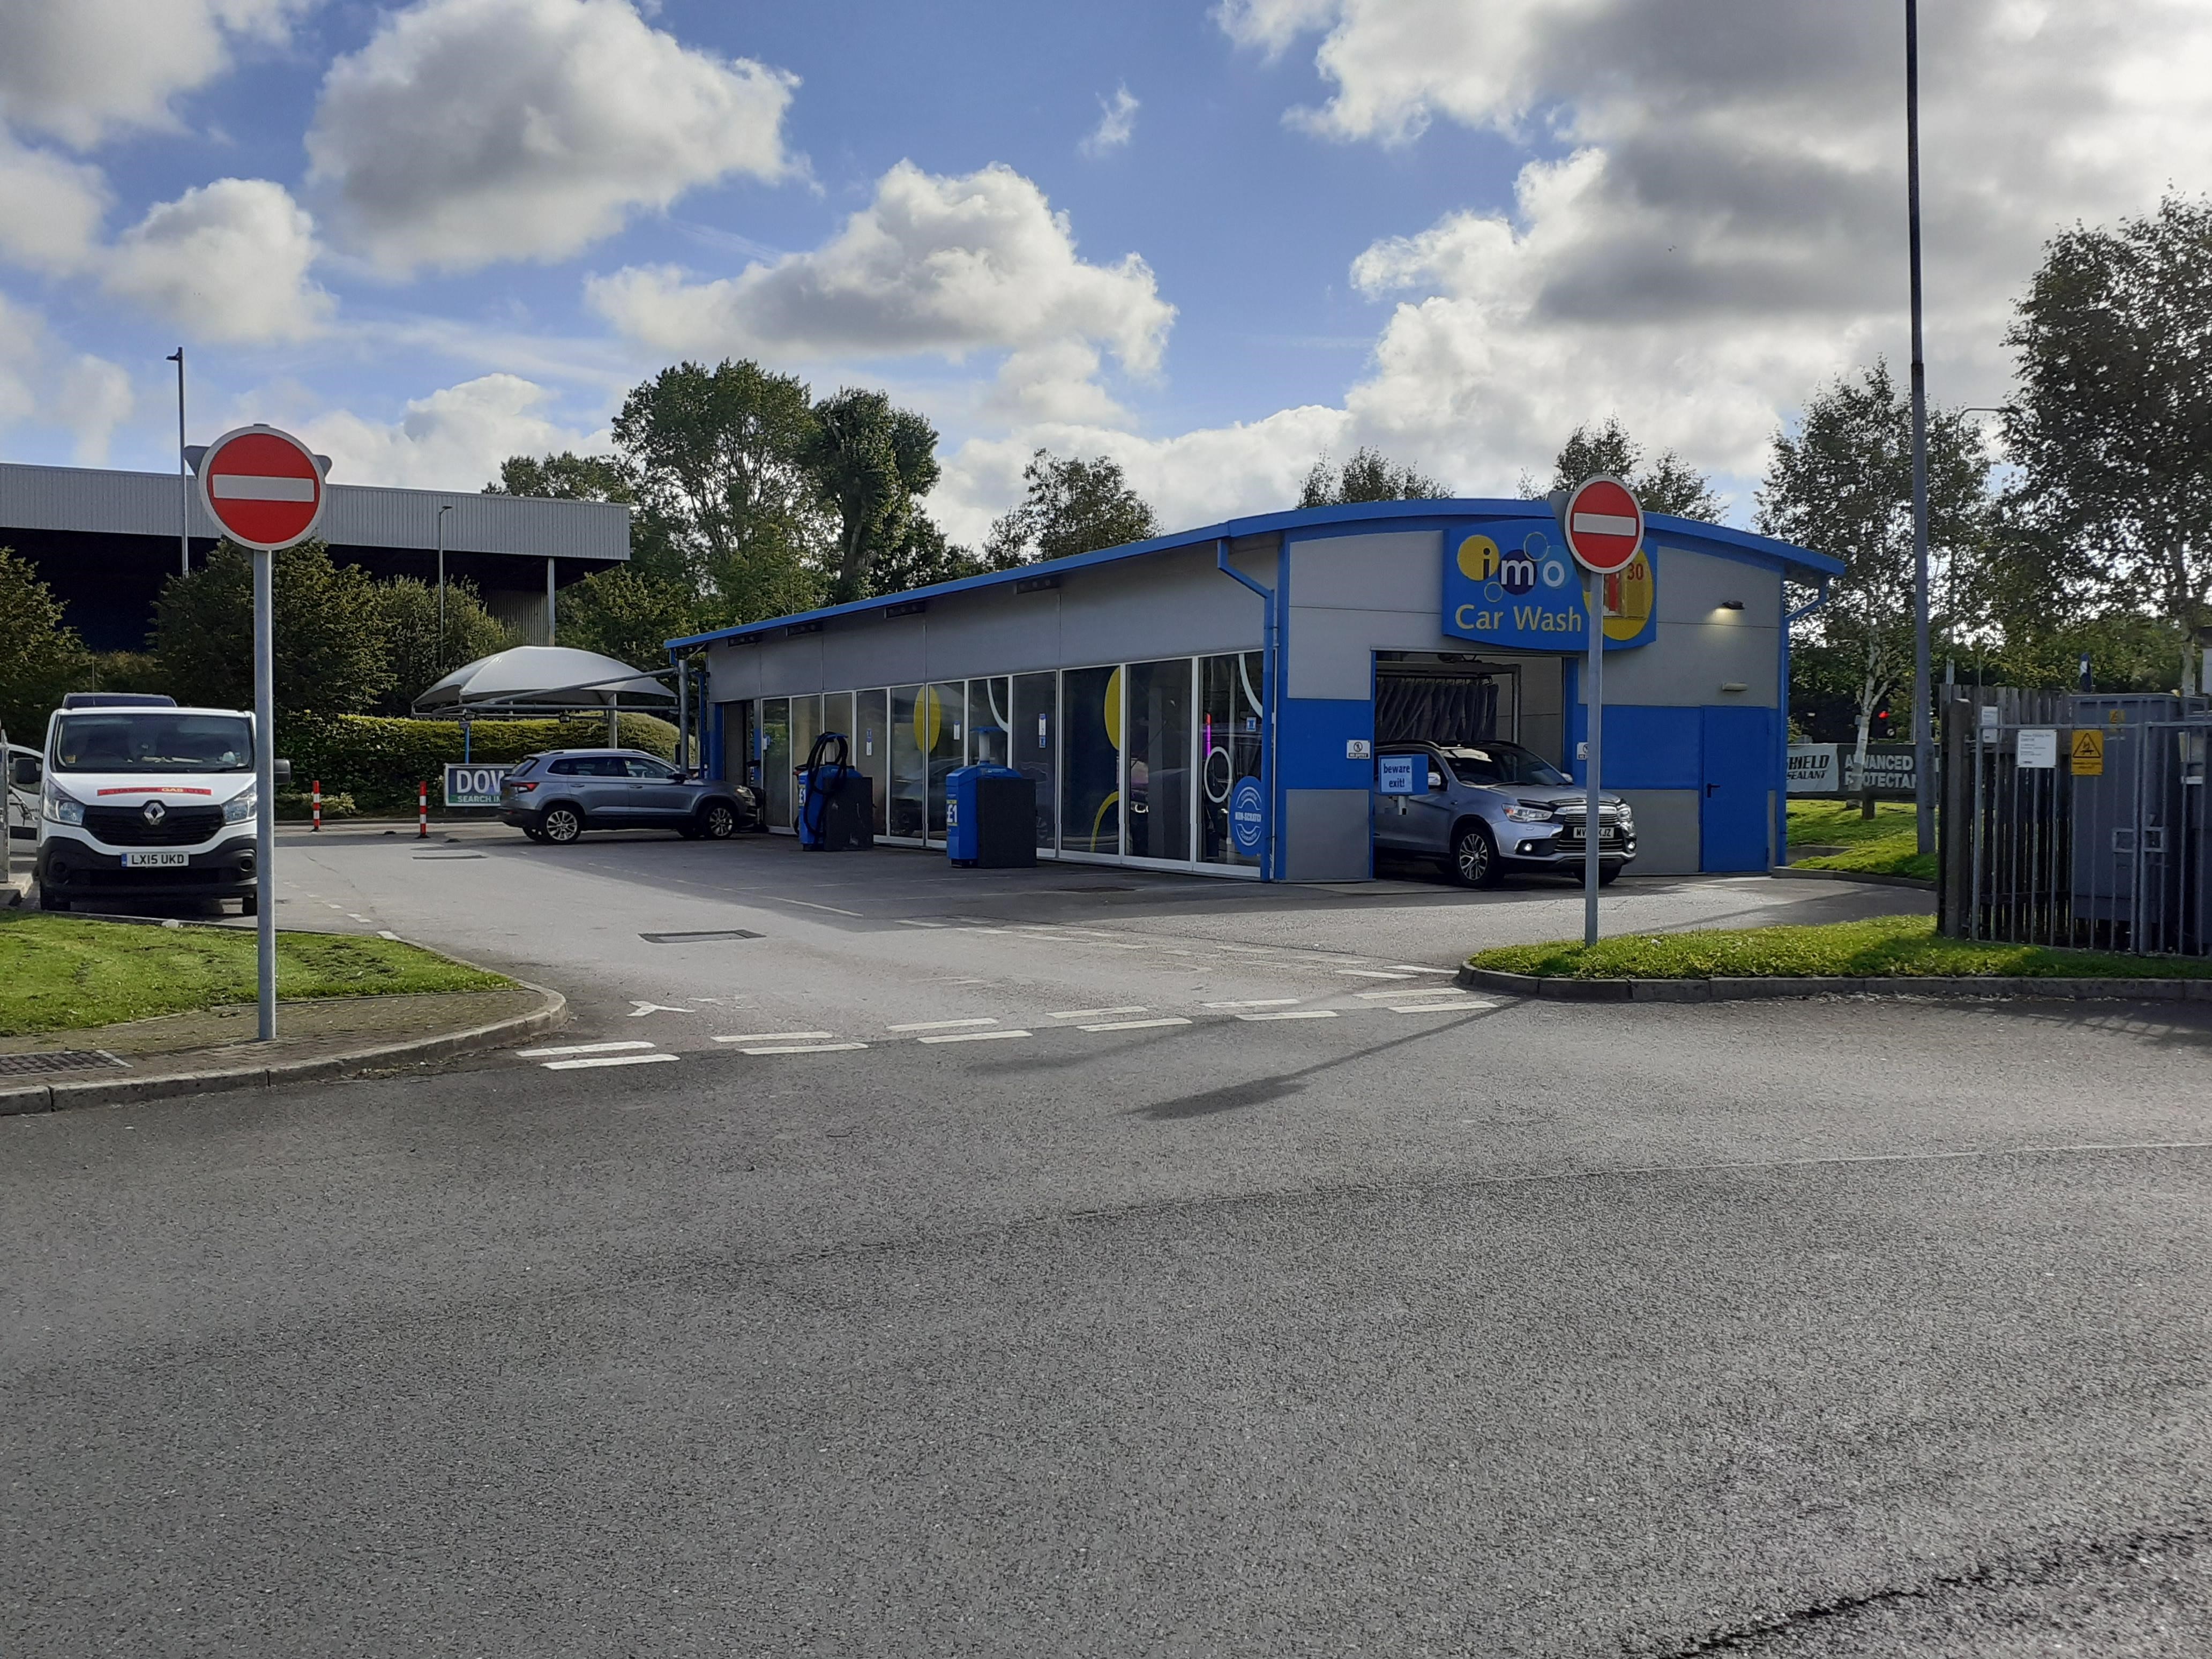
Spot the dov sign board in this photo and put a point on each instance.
(1505, 584)
(474, 785)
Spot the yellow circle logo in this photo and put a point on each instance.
(1112, 711)
(928, 719)
(1628, 597)
(1478, 558)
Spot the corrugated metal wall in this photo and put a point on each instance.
(87, 501)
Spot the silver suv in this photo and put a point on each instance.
(1482, 808)
(557, 795)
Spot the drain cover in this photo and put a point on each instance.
(693, 939)
(69, 1060)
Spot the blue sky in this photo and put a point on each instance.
(429, 234)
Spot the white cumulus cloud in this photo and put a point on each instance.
(454, 438)
(936, 265)
(49, 207)
(468, 131)
(1117, 123)
(84, 69)
(227, 261)
(42, 383)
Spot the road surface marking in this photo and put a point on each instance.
(1294, 1013)
(385, 932)
(1096, 1013)
(605, 1060)
(581, 1048)
(1371, 973)
(1257, 1002)
(1416, 967)
(907, 921)
(1137, 1024)
(779, 1036)
(1446, 1006)
(807, 1049)
(1401, 995)
(972, 1037)
(805, 904)
(363, 920)
(938, 1025)
(639, 1010)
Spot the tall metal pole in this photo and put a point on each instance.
(1594, 696)
(441, 585)
(183, 478)
(264, 789)
(1923, 782)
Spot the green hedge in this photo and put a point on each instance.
(378, 762)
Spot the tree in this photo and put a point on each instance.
(414, 655)
(327, 628)
(1071, 506)
(869, 463)
(2111, 425)
(629, 615)
(729, 508)
(567, 476)
(1668, 485)
(1843, 485)
(40, 658)
(1369, 475)
(922, 559)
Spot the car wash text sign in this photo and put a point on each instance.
(1507, 584)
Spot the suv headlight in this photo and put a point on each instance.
(60, 809)
(1529, 814)
(239, 807)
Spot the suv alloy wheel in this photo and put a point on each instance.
(560, 825)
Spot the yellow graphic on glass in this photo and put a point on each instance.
(928, 719)
(1113, 710)
(1628, 599)
(1478, 558)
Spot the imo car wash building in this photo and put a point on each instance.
(1212, 701)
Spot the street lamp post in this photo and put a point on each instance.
(1924, 790)
(184, 480)
(441, 584)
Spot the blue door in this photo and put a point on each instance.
(1739, 772)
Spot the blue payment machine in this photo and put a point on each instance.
(990, 818)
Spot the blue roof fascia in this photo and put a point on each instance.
(1763, 548)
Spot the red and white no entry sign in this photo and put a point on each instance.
(263, 487)
(1604, 525)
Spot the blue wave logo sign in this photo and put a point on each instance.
(1247, 816)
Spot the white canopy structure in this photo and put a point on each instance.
(544, 678)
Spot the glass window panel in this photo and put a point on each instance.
(909, 774)
(1232, 740)
(1090, 734)
(775, 758)
(1160, 759)
(837, 714)
(1034, 745)
(940, 728)
(990, 716)
(872, 749)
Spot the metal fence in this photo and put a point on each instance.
(2077, 821)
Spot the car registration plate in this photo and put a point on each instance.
(157, 860)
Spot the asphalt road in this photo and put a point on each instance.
(1817, 1328)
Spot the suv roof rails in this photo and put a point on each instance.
(117, 700)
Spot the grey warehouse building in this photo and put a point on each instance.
(1211, 701)
(105, 541)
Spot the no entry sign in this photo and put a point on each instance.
(263, 487)
(1604, 526)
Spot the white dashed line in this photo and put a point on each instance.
(1371, 973)
(937, 1025)
(972, 1037)
(1096, 1013)
(907, 921)
(1445, 1007)
(807, 1049)
(779, 1036)
(385, 932)
(1136, 1025)
(1416, 967)
(581, 1048)
(1257, 1002)
(1408, 991)
(605, 1060)
(1294, 1013)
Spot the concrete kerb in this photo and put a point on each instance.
(1864, 877)
(1748, 990)
(551, 1010)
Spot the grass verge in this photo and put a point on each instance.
(1887, 844)
(59, 973)
(1900, 947)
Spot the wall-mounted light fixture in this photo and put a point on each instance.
(1731, 604)
(1733, 685)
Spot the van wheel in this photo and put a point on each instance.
(1475, 861)
(560, 825)
(249, 905)
(53, 906)
(718, 820)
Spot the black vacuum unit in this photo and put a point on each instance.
(836, 800)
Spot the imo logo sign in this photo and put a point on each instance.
(1516, 574)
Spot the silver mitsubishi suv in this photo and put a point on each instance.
(1482, 808)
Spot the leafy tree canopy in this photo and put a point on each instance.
(629, 615)
(567, 476)
(327, 627)
(1369, 475)
(39, 658)
(922, 557)
(414, 654)
(1667, 485)
(1069, 505)
(870, 463)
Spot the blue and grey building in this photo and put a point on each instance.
(1211, 700)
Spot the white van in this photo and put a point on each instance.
(144, 799)
(20, 788)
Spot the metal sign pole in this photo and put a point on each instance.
(1593, 826)
(264, 789)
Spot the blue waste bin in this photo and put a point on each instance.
(990, 818)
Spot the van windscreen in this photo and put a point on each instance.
(152, 740)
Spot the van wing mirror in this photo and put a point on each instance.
(280, 771)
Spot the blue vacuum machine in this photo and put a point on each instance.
(836, 800)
